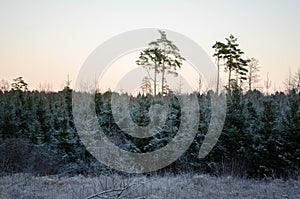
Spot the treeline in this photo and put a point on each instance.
(261, 134)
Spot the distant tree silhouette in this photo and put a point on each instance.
(253, 76)
(4, 85)
(231, 55)
(220, 52)
(163, 57)
(146, 85)
(19, 84)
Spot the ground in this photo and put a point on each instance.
(154, 187)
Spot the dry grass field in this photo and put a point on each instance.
(186, 186)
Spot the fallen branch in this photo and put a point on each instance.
(118, 194)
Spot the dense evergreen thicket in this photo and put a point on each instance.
(261, 134)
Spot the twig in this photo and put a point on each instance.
(118, 195)
(140, 184)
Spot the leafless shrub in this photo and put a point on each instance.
(14, 155)
(18, 155)
(42, 161)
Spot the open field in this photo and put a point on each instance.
(154, 187)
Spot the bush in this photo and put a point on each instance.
(19, 155)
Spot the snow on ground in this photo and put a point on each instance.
(154, 187)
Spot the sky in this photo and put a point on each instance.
(45, 41)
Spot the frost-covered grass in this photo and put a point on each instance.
(168, 186)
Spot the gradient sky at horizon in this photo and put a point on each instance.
(44, 41)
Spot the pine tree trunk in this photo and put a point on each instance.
(218, 75)
(162, 81)
(229, 81)
(250, 82)
(155, 72)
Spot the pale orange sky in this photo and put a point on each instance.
(44, 41)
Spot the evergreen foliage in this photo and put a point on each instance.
(260, 137)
